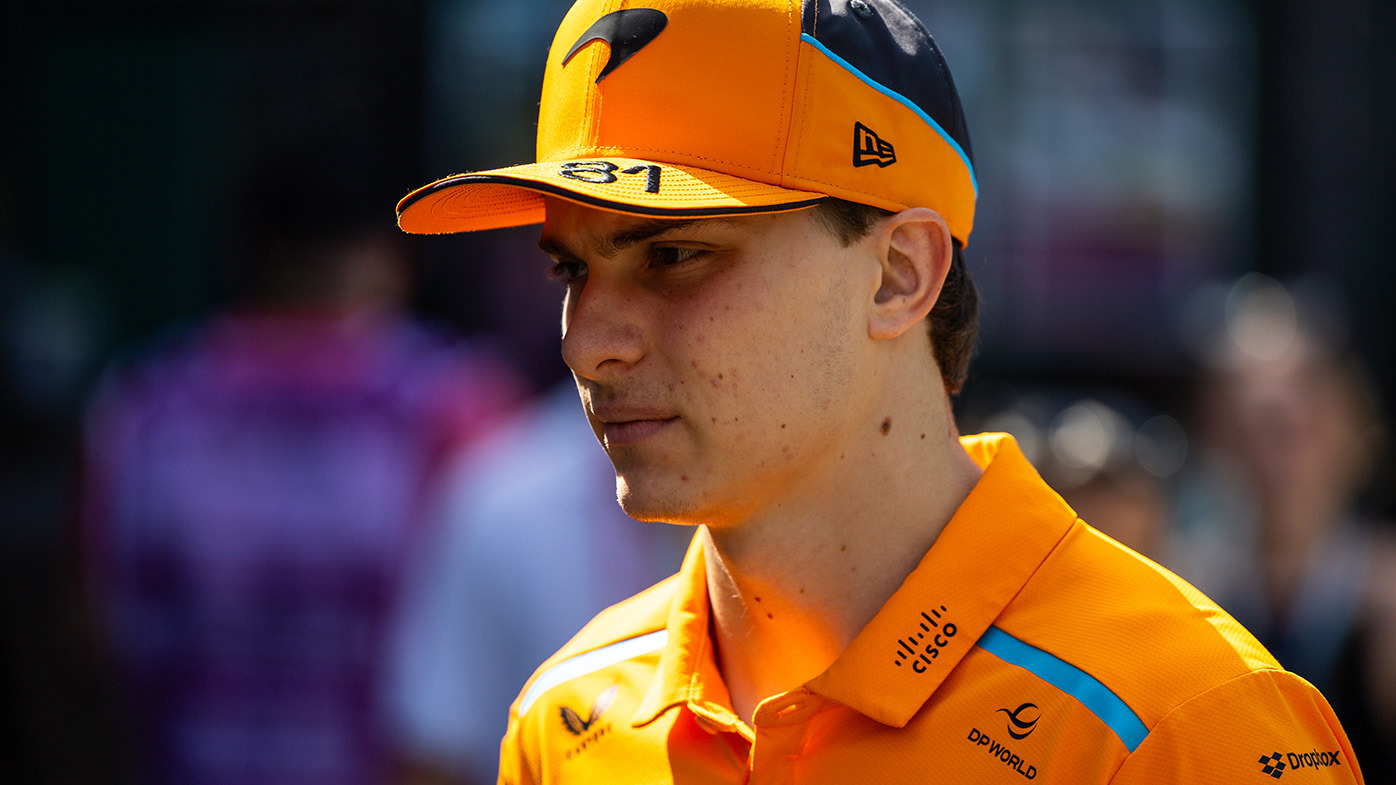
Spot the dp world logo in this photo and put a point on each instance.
(1273, 765)
(1022, 721)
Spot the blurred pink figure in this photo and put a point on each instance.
(252, 486)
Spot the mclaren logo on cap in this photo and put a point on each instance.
(627, 31)
(869, 148)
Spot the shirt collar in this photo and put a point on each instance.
(993, 544)
(688, 672)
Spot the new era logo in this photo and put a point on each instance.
(1273, 765)
(869, 148)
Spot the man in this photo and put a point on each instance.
(757, 209)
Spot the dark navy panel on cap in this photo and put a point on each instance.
(891, 47)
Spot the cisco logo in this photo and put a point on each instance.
(935, 632)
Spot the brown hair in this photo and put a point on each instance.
(954, 320)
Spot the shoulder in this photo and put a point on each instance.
(142, 379)
(589, 689)
(1263, 722)
(617, 635)
(1144, 632)
(1196, 686)
(154, 360)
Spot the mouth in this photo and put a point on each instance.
(623, 432)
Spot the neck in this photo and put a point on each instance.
(791, 587)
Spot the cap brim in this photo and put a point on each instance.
(513, 196)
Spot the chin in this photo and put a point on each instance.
(663, 503)
(645, 501)
(646, 508)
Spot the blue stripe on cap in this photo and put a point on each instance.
(899, 98)
(590, 662)
(1069, 679)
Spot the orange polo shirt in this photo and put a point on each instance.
(1026, 646)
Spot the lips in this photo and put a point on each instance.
(620, 426)
(618, 434)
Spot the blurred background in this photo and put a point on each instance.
(208, 324)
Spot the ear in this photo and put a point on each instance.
(914, 249)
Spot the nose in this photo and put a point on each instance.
(602, 328)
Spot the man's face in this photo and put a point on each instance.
(723, 362)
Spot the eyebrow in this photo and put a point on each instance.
(612, 244)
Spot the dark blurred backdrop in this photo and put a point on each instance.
(1134, 160)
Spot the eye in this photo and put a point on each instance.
(567, 271)
(672, 256)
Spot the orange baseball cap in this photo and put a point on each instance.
(687, 108)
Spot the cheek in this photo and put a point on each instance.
(754, 363)
(718, 355)
(834, 339)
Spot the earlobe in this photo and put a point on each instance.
(915, 250)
